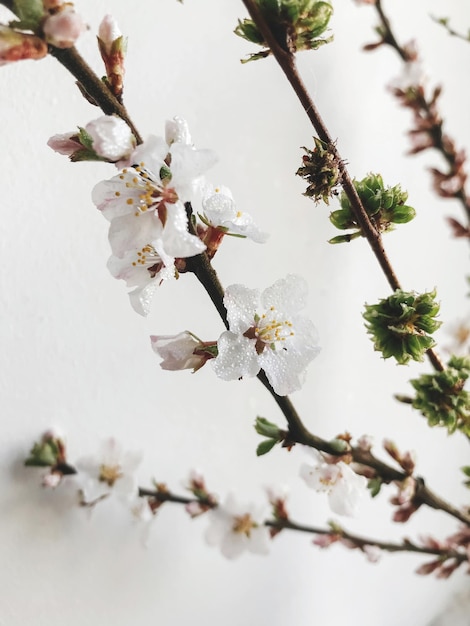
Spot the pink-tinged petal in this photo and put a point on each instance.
(64, 144)
(237, 357)
(241, 304)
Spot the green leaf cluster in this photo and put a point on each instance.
(44, 454)
(296, 24)
(441, 397)
(401, 324)
(384, 205)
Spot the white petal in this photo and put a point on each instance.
(133, 232)
(178, 242)
(177, 131)
(348, 493)
(237, 357)
(288, 294)
(241, 304)
(152, 154)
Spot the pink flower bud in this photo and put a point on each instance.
(108, 32)
(64, 28)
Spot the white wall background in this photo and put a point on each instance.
(74, 354)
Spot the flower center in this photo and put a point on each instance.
(243, 524)
(149, 258)
(269, 330)
(109, 474)
(143, 192)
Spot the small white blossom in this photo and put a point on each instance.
(237, 528)
(177, 351)
(221, 212)
(145, 205)
(345, 488)
(111, 470)
(267, 331)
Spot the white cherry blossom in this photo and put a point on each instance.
(111, 470)
(237, 528)
(220, 211)
(345, 488)
(145, 206)
(267, 331)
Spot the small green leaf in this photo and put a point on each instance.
(265, 446)
(374, 485)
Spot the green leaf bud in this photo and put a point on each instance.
(384, 205)
(441, 397)
(400, 325)
(296, 24)
(267, 429)
(265, 446)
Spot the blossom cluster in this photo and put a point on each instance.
(162, 211)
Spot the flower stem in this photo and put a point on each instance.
(93, 86)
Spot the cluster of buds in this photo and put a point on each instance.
(50, 452)
(443, 567)
(205, 500)
(321, 168)
(427, 133)
(337, 535)
(401, 325)
(296, 25)
(441, 396)
(39, 23)
(385, 206)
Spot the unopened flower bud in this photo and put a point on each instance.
(112, 47)
(15, 46)
(62, 29)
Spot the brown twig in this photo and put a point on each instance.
(335, 531)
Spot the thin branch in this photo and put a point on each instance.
(286, 61)
(441, 142)
(93, 86)
(334, 531)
